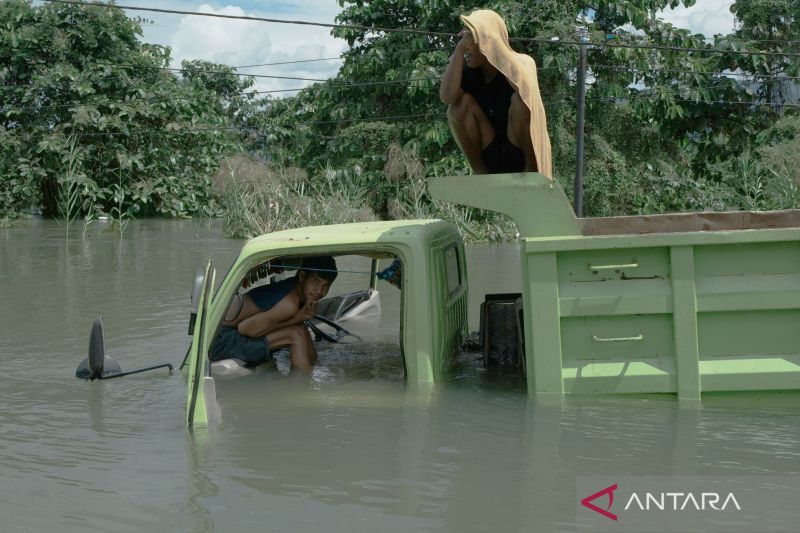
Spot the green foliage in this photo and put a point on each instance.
(764, 23)
(261, 199)
(92, 123)
(79, 86)
(73, 186)
(659, 136)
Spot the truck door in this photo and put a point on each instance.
(197, 405)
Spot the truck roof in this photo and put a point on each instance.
(412, 232)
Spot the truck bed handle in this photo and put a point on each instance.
(638, 337)
(613, 267)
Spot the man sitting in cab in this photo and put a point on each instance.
(273, 316)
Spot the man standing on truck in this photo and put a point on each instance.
(494, 107)
(274, 315)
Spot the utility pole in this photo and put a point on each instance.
(583, 37)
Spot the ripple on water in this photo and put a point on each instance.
(355, 447)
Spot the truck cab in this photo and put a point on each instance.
(433, 284)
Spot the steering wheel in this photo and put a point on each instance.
(341, 332)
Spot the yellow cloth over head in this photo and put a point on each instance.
(490, 33)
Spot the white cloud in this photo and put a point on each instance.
(244, 42)
(220, 40)
(708, 17)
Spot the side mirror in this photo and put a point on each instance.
(98, 365)
(97, 348)
(197, 287)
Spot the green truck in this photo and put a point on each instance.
(433, 314)
(681, 304)
(678, 303)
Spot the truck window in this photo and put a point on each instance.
(452, 270)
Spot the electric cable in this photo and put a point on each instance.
(207, 129)
(423, 32)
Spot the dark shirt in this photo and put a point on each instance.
(266, 296)
(493, 97)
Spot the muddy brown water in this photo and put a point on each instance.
(353, 449)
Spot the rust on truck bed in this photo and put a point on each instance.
(687, 222)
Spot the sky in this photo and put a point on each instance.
(240, 42)
(708, 17)
(236, 42)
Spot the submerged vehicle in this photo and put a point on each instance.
(433, 282)
(676, 303)
(679, 303)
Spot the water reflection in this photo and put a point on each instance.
(355, 448)
(200, 464)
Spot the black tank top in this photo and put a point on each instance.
(493, 97)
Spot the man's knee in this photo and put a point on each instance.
(459, 110)
(297, 332)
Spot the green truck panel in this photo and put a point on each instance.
(679, 303)
(434, 294)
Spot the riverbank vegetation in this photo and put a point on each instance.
(93, 122)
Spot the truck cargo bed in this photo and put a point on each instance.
(678, 303)
(689, 222)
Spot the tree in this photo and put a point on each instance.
(391, 74)
(769, 26)
(78, 81)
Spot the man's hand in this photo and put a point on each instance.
(466, 39)
(307, 312)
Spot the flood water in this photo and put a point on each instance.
(352, 449)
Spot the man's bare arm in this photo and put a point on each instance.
(450, 90)
(282, 315)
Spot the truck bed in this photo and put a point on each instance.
(680, 303)
(690, 222)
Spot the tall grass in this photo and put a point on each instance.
(782, 173)
(259, 198)
(70, 182)
(412, 200)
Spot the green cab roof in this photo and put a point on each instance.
(397, 232)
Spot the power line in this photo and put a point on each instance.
(288, 62)
(179, 98)
(131, 102)
(335, 85)
(228, 72)
(256, 130)
(211, 71)
(725, 39)
(425, 32)
(392, 82)
(173, 69)
(647, 46)
(689, 100)
(342, 56)
(256, 19)
(743, 40)
(713, 39)
(701, 72)
(625, 98)
(327, 84)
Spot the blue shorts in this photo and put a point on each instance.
(230, 344)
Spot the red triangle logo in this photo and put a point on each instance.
(587, 502)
